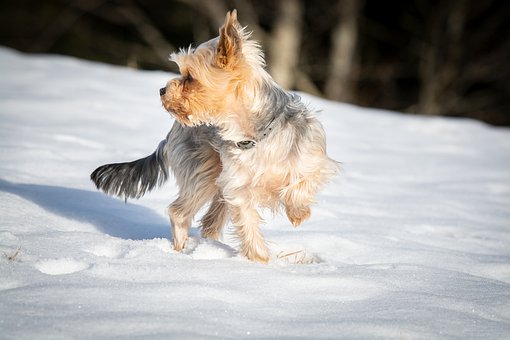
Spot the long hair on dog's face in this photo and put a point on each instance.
(216, 78)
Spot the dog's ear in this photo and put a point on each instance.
(229, 44)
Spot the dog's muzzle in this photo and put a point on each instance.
(162, 91)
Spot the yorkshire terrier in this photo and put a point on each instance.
(239, 142)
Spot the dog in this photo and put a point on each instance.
(239, 142)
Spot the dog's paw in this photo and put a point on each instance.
(257, 254)
(179, 244)
(259, 258)
(298, 215)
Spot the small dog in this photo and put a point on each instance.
(239, 142)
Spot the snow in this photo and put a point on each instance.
(412, 240)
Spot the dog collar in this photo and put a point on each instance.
(246, 144)
(249, 144)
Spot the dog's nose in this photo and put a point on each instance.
(162, 91)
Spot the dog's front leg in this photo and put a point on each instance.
(247, 221)
(297, 199)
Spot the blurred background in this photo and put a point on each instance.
(426, 57)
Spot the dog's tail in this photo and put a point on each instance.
(133, 179)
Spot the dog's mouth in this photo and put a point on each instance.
(174, 104)
(179, 115)
(177, 106)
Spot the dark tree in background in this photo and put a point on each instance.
(419, 56)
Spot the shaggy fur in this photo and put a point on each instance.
(239, 142)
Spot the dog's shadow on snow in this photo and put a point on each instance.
(111, 216)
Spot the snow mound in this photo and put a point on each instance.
(60, 266)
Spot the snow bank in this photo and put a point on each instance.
(411, 241)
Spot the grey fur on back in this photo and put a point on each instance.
(133, 179)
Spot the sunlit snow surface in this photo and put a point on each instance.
(411, 241)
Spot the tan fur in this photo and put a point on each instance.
(225, 96)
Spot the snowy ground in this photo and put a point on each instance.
(411, 241)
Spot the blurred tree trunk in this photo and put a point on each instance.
(285, 42)
(339, 85)
(440, 59)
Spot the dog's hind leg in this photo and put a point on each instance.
(181, 213)
(196, 177)
(215, 218)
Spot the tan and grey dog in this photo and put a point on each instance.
(240, 142)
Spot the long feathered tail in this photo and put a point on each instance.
(133, 179)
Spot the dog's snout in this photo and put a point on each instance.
(162, 91)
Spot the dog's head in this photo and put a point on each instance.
(218, 78)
